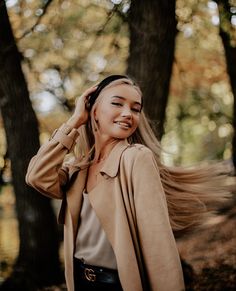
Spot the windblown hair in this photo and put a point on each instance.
(192, 193)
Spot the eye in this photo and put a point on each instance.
(136, 110)
(116, 103)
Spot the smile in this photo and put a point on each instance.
(123, 124)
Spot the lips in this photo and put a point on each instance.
(125, 124)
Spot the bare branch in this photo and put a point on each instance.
(110, 14)
(44, 8)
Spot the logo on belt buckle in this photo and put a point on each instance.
(89, 274)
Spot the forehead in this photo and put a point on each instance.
(122, 90)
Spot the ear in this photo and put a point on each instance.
(95, 114)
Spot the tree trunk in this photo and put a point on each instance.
(38, 260)
(230, 55)
(152, 26)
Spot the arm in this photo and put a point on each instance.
(46, 172)
(157, 243)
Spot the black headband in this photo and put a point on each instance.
(101, 86)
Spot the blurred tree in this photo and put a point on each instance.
(2, 169)
(38, 260)
(152, 27)
(199, 113)
(228, 36)
(81, 41)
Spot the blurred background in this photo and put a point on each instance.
(182, 54)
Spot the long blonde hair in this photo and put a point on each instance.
(191, 194)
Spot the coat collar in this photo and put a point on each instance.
(111, 165)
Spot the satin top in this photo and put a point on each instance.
(92, 245)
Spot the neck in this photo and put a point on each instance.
(103, 148)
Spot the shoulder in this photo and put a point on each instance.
(136, 152)
(138, 161)
(137, 149)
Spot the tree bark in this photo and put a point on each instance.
(152, 26)
(38, 263)
(230, 56)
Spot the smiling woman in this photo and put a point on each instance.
(117, 112)
(120, 204)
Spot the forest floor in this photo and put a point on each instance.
(210, 255)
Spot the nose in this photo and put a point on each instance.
(126, 112)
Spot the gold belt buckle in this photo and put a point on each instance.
(89, 274)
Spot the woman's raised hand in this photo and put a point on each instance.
(81, 113)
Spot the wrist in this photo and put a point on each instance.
(74, 122)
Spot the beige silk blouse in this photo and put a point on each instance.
(92, 245)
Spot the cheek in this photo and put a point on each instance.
(103, 110)
(137, 120)
(109, 114)
(105, 118)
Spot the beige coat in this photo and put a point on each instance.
(129, 202)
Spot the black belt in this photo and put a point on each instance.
(95, 274)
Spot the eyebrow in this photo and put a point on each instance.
(123, 98)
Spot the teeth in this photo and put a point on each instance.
(123, 123)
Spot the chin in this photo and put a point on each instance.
(122, 136)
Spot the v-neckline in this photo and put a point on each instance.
(93, 188)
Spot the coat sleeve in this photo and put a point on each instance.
(157, 243)
(46, 172)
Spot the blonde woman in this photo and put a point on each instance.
(120, 205)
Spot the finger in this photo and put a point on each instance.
(89, 90)
(86, 94)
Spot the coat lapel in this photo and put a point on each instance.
(107, 201)
(112, 163)
(75, 195)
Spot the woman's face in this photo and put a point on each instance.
(118, 111)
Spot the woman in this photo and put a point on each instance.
(119, 203)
